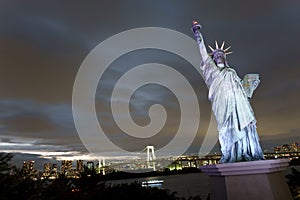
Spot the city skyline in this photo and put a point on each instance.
(42, 46)
(286, 150)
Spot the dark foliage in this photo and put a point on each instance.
(294, 183)
(5, 159)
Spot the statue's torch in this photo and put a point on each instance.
(196, 26)
(196, 29)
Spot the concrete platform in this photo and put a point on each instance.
(253, 180)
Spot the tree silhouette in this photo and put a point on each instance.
(294, 183)
(5, 165)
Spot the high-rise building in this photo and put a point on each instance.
(28, 166)
(79, 165)
(54, 173)
(90, 165)
(47, 169)
(54, 168)
(25, 167)
(295, 146)
(50, 171)
(28, 169)
(66, 166)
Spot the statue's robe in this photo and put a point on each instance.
(235, 118)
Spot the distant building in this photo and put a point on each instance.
(50, 171)
(54, 169)
(90, 165)
(66, 166)
(54, 172)
(79, 165)
(28, 166)
(28, 169)
(47, 170)
(294, 147)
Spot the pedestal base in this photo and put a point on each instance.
(261, 179)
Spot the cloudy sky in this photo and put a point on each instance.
(43, 44)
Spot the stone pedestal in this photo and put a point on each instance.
(253, 180)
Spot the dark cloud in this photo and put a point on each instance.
(27, 123)
(47, 123)
(42, 45)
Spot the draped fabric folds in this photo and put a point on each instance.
(236, 122)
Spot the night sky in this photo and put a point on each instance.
(43, 44)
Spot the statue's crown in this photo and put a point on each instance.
(221, 49)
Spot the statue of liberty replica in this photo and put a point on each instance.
(230, 96)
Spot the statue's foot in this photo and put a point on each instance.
(224, 160)
(248, 158)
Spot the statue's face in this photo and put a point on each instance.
(219, 58)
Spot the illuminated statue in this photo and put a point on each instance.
(230, 103)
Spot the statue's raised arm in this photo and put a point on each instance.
(199, 38)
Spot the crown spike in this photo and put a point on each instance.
(212, 49)
(217, 46)
(222, 46)
(227, 53)
(227, 48)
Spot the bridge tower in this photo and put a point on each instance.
(102, 162)
(102, 165)
(150, 153)
(151, 157)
